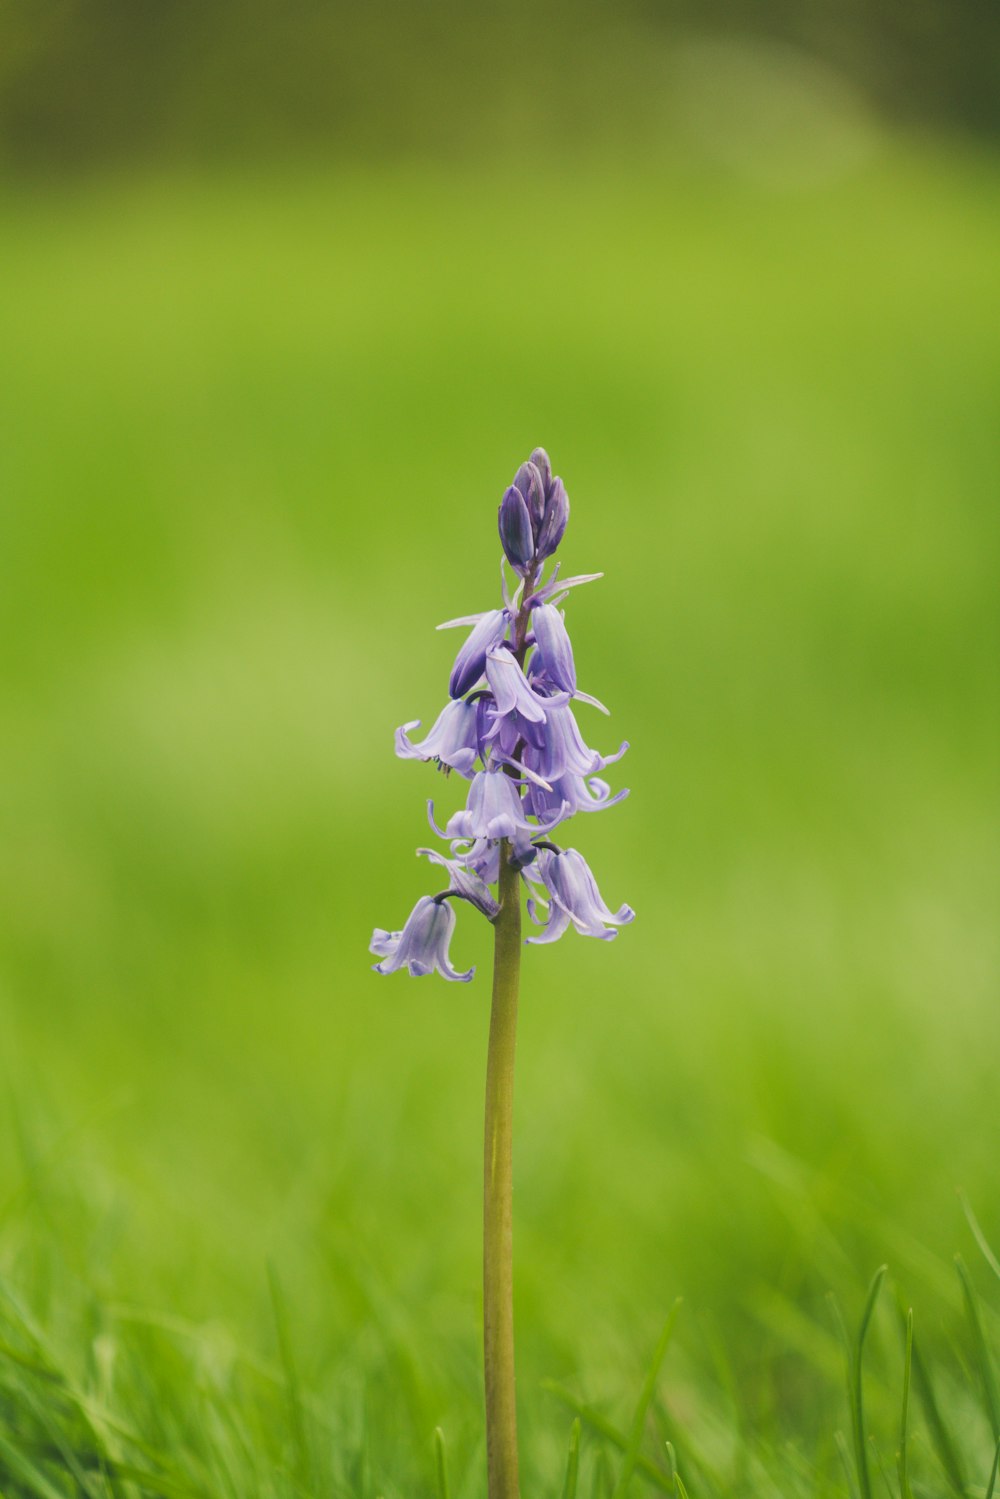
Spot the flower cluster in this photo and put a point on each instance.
(509, 729)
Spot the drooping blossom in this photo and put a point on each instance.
(510, 730)
(453, 741)
(422, 945)
(554, 653)
(573, 898)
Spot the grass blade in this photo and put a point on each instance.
(844, 1453)
(572, 1461)
(982, 1351)
(440, 1463)
(643, 1404)
(678, 1482)
(978, 1234)
(606, 1429)
(940, 1436)
(901, 1455)
(993, 1476)
(856, 1385)
(296, 1414)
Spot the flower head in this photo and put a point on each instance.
(509, 729)
(422, 945)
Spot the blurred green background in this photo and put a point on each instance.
(284, 301)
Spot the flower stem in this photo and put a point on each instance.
(498, 1307)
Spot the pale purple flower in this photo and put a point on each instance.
(489, 629)
(495, 809)
(561, 750)
(573, 898)
(572, 793)
(454, 739)
(513, 693)
(509, 712)
(553, 651)
(422, 945)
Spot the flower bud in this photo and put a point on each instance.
(529, 481)
(543, 464)
(554, 520)
(516, 535)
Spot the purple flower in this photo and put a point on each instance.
(562, 751)
(512, 691)
(489, 629)
(509, 712)
(454, 739)
(571, 793)
(574, 897)
(553, 651)
(494, 810)
(422, 945)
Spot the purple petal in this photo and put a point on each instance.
(471, 659)
(552, 644)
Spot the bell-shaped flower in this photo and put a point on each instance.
(482, 855)
(553, 652)
(422, 945)
(454, 739)
(562, 751)
(495, 809)
(574, 898)
(512, 691)
(488, 631)
(572, 793)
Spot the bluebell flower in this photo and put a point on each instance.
(422, 945)
(572, 793)
(553, 652)
(560, 750)
(488, 631)
(495, 809)
(573, 898)
(509, 729)
(512, 691)
(454, 740)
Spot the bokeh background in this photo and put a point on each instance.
(286, 294)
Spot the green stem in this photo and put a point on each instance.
(498, 1304)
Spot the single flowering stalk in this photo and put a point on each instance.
(510, 731)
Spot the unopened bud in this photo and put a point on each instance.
(532, 486)
(554, 520)
(516, 534)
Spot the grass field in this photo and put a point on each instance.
(253, 436)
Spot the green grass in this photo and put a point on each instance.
(253, 437)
